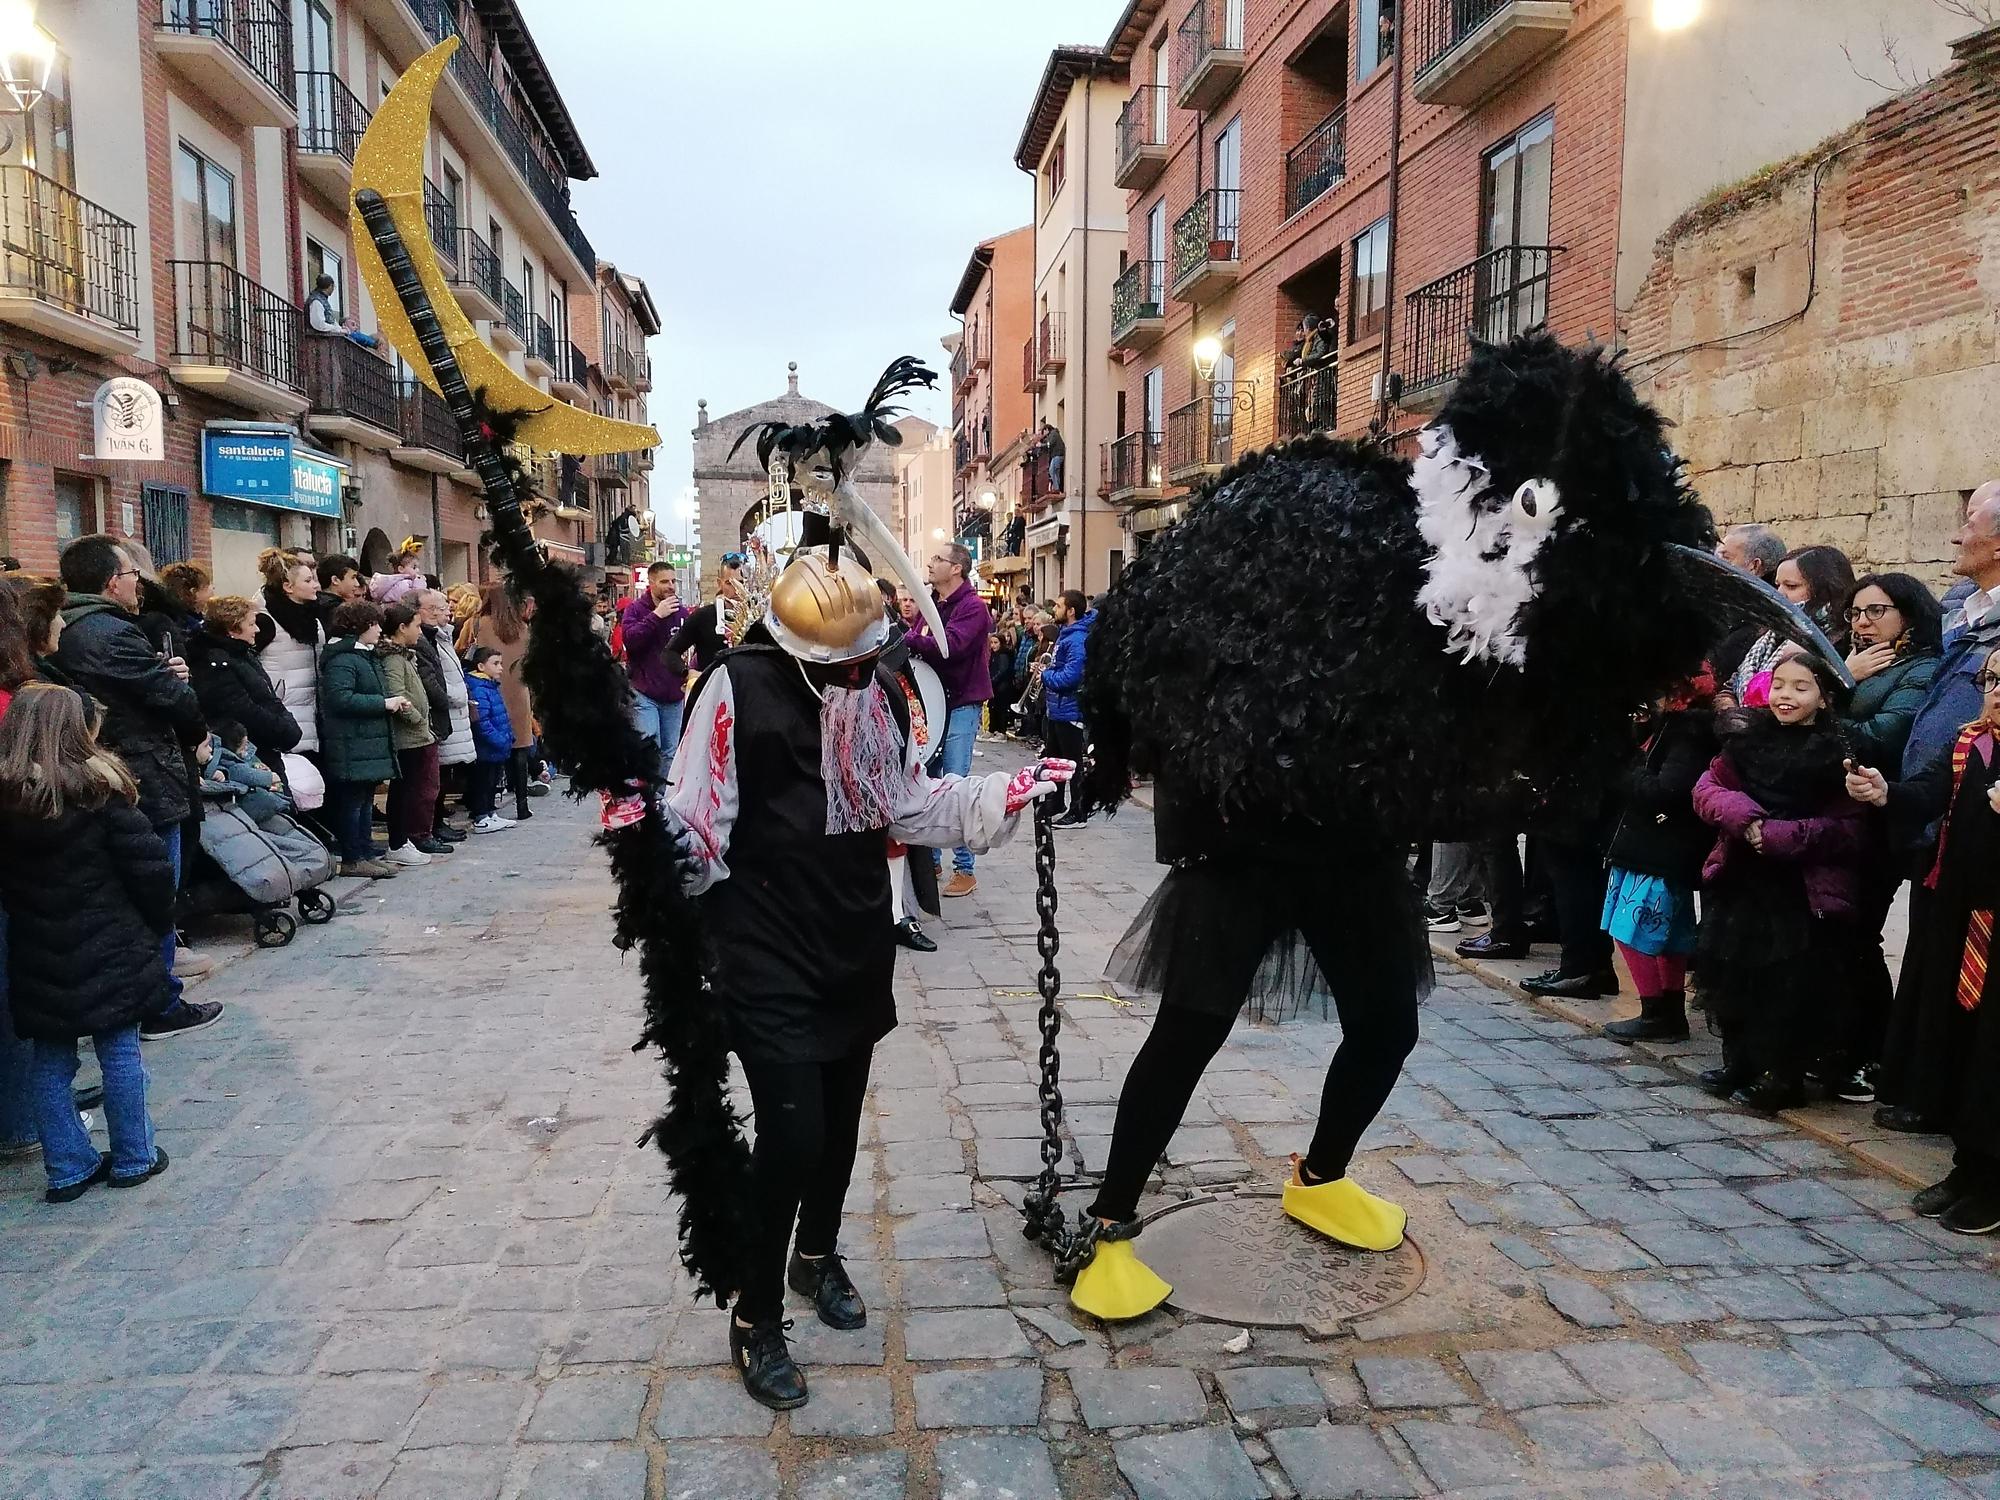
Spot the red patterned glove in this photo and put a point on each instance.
(1038, 780)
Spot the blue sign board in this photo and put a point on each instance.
(273, 469)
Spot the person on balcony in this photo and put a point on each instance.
(1052, 445)
(322, 319)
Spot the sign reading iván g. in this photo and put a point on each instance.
(128, 421)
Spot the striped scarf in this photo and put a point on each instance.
(1979, 924)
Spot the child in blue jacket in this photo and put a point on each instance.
(493, 739)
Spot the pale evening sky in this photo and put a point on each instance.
(798, 179)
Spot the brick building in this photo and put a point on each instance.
(1827, 334)
(167, 211)
(990, 412)
(1510, 163)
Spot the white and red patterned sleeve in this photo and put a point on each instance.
(950, 810)
(702, 794)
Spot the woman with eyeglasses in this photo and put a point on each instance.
(1946, 1050)
(1895, 626)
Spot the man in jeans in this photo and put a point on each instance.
(659, 676)
(1061, 678)
(150, 712)
(965, 672)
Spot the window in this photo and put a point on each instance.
(559, 318)
(1367, 282)
(1229, 159)
(454, 193)
(165, 508)
(1160, 70)
(493, 243)
(1513, 283)
(1374, 35)
(76, 507)
(41, 139)
(1056, 171)
(320, 261)
(528, 286)
(318, 36)
(1153, 392)
(1156, 237)
(204, 209)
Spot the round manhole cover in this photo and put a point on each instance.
(1241, 1260)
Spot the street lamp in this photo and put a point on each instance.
(27, 55)
(987, 500)
(1207, 350)
(1675, 15)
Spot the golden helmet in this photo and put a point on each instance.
(824, 614)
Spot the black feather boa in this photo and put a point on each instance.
(583, 701)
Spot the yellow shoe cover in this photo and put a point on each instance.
(1116, 1284)
(1343, 1210)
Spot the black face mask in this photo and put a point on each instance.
(850, 675)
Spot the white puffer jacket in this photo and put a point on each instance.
(459, 750)
(293, 668)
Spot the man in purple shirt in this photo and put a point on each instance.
(659, 676)
(966, 674)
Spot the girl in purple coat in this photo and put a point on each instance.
(1780, 886)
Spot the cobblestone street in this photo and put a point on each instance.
(407, 1248)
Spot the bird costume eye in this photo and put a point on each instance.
(1536, 500)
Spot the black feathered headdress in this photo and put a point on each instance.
(842, 436)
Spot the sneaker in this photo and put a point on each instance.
(1976, 1213)
(159, 1165)
(960, 884)
(1473, 913)
(1936, 1200)
(408, 854)
(190, 964)
(433, 846)
(492, 823)
(1440, 918)
(189, 1015)
(539, 787)
(1857, 1087)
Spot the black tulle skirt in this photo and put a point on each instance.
(1224, 933)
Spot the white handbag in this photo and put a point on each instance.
(308, 787)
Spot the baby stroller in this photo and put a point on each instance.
(260, 865)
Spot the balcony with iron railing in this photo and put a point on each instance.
(961, 454)
(474, 274)
(1464, 50)
(350, 392)
(1309, 400)
(961, 365)
(430, 438)
(236, 53)
(1205, 252)
(1502, 293)
(525, 145)
(509, 331)
(571, 380)
(1050, 346)
(621, 371)
(331, 121)
(1132, 468)
(1142, 138)
(235, 339)
(69, 269)
(1201, 434)
(614, 470)
(539, 358)
(1039, 490)
(1032, 378)
(1208, 53)
(1318, 164)
(441, 222)
(1139, 305)
(643, 373)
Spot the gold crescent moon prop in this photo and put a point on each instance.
(390, 160)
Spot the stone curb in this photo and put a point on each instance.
(1915, 1160)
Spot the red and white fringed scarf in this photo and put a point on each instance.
(860, 758)
(1979, 925)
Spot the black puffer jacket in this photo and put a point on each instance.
(431, 670)
(1658, 832)
(230, 682)
(150, 715)
(88, 897)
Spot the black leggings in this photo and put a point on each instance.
(808, 1118)
(1378, 1029)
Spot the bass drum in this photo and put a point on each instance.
(930, 694)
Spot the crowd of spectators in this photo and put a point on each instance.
(134, 697)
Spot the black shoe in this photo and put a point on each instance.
(1486, 945)
(1937, 1199)
(521, 813)
(1070, 820)
(433, 846)
(1573, 986)
(826, 1284)
(763, 1359)
(1978, 1212)
(1857, 1087)
(1906, 1121)
(1441, 918)
(1473, 913)
(77, 1189)
(189, 1015)
(159, 1165)
(913, 937)
(1723, 1081)
(444, 833)
(1661, 1018)
(1771, 1093)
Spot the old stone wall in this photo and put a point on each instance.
(1845, 388)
